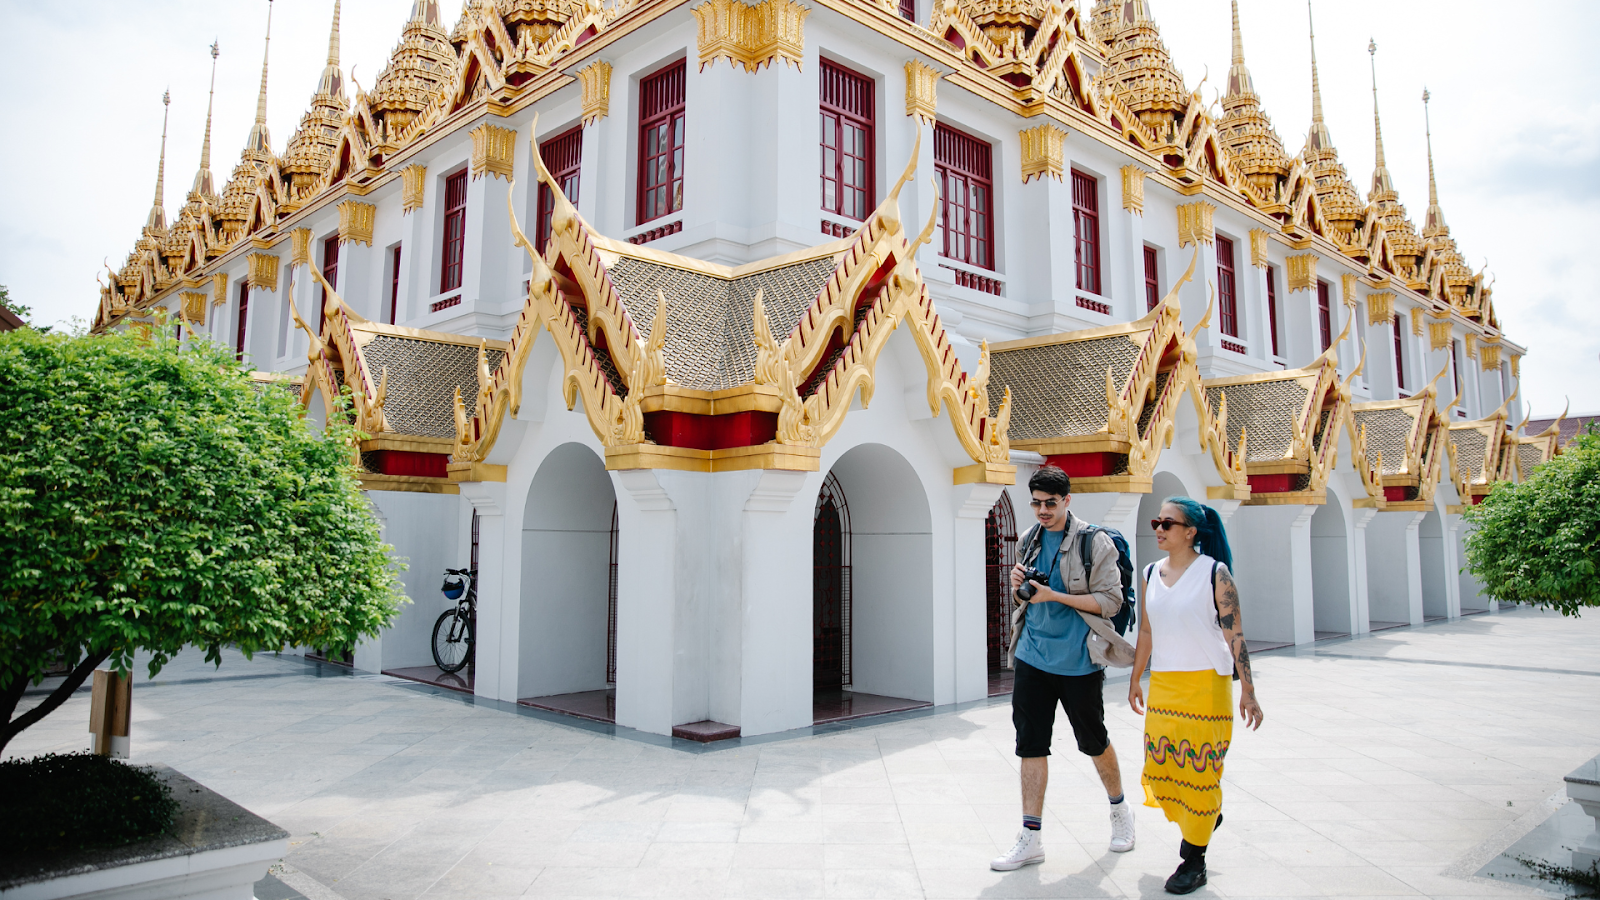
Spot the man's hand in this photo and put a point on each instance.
(1017, 572)
(1043, 593)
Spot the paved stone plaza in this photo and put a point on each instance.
(1394, 765)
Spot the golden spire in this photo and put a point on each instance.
(1239, 81)
(1435, 222)
(202, 178)
(260, 141)
(158, 212)
(1319, 137)
(1381, 182)
(332, 82)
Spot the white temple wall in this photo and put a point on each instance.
(1332, 594)
(1394, 567)
(1469, 589)
(422, 528)
(1275, 571)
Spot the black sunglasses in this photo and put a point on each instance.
(1164, 524)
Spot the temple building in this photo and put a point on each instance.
(720, 338)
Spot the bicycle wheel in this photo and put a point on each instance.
(452, 641)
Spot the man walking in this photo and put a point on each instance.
(1060, 640)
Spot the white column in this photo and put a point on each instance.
(1272, 559)
(775, 664)
(1453, 561)
(646, 576)
(498, 617)
(968, 648)
(1361, 605)
(1394, 568)
(368, 655)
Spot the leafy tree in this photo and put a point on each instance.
(1539, 542)
(153, 498)
(20, 311)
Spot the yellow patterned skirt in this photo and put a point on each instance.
(1188, 724)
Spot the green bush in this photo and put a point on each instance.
(60, 803)
(1538, 542)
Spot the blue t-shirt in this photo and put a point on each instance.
(1053, 634)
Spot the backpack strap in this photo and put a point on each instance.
(1086, 551)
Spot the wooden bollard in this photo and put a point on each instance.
(110, 708)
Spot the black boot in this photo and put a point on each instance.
(1191, 873)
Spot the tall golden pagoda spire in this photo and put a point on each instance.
(260, 141)
(1434, 224)
(157, 221)
(1319, 136)
(1245, 130)
(332, 82)
(202, 178)
(1341, 205)
(1404, 245)
(1381, 182)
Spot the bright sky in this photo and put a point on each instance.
(1516, 129)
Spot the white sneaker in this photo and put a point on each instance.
(1122, 827)
(1028, 850)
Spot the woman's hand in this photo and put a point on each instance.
(1250, 710)
(1136, 696)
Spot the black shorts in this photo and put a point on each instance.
(1034, 695)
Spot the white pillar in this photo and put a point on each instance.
(646, 577)
(498, 618)
(1394, 568)
(1272, 560)
(775, 639)
(1453, 561)
(368, 655)
(968, 662)
(1361, 600)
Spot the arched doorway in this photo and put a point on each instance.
(1435, 591)
(567, 656)
(872, 588)
(830, 590)
(999, 555)
(1332, 604)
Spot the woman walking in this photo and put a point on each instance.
(1191, 636)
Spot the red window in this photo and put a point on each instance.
(908, 10)
(965, 173)
(330, 265)
(1325, 314)
(244, 314)
(394, 283)
(1086, 230)
(1152, 280)
(847, 151)
(1399, 358)
(562, 155)
(661, 110)
(1227, 288)
(455, 231)
(1272, 306)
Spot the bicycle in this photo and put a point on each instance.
(453, 632)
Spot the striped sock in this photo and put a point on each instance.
(1117, 799)
(1032, 823)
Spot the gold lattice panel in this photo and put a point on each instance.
(1059, 390)
(1388, 432)
(1470, 445)
(710, 341)
(1528, 456)
(1268, 409)
(423, 377)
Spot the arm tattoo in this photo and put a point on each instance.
(1232, 620)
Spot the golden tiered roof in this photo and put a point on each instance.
(306, 159)
(1246, 132)
(1405, 246)
(1340, 203)
(241, 198)
(422, 65)
(1139, 70)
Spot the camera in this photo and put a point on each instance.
(1029, 575)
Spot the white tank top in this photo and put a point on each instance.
(1184, 633)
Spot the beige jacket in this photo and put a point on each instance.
(1106, 647)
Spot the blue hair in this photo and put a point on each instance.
(1210, 538)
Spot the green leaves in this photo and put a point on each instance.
(153, 498)
(1539, 542)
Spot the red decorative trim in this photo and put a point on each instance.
(446, 303)
(1094, 305)
(751, 428)
(645, 237)
(1235, 346)
(1084, 465)
(836, 230)
(1397, 494)
(410, 462)
(1276, 483)
(976, 282)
